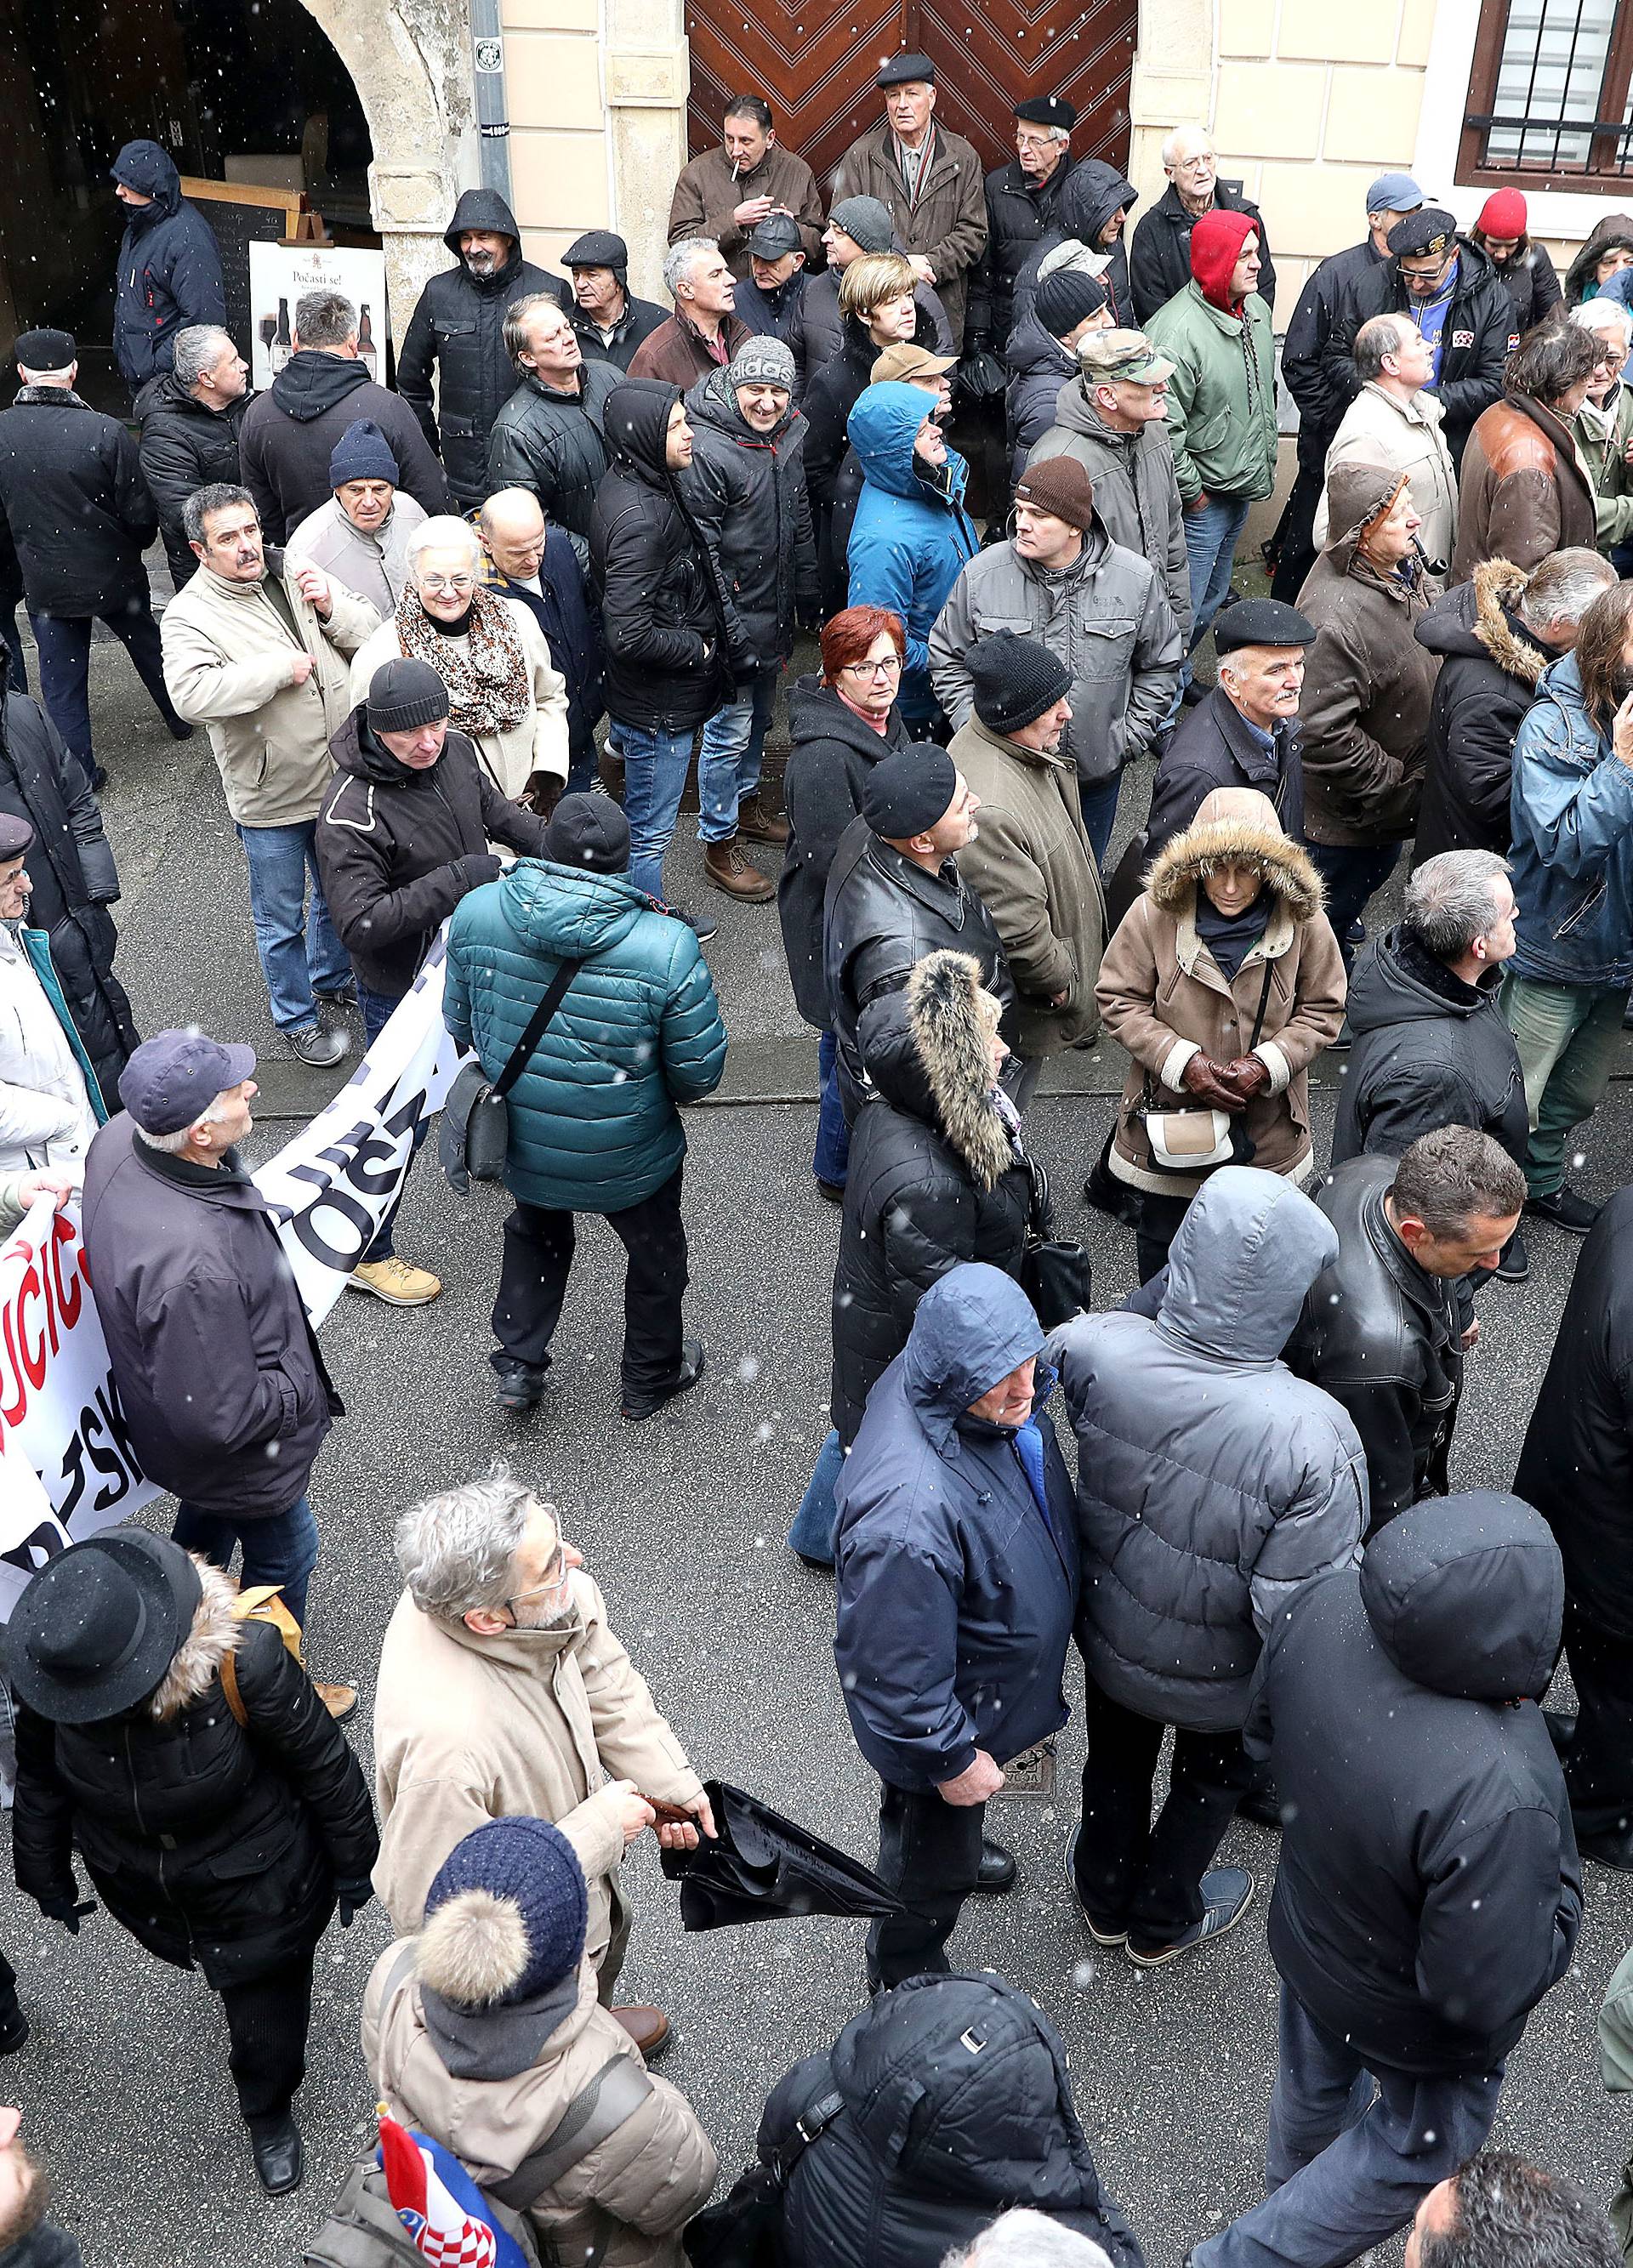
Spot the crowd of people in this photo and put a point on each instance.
(401, 617)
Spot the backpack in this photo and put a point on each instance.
(362, 2229)
(262, 1602)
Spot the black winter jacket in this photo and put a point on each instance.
(1381, 1336)
(213, 1845)
(1430, 1051)
(555, 445)
(1213, 748)
(639, 319)
(289, 433)
(882, 913)
(1428, 1892)
(225, 1397)
(916, 1201)
(45, 2246)
(956, 2104)
(169, 266)
(1314, 382)
(1019, 213)
(779, 313)
(1040, 366)
(458, 329)
(79, 509)
(833, 751)
(746, 494)
(1576, 1465)
(1487, 680)
(1475, 338)
(70, 864)
(663, 609)
(571, 629)
(1093, 193)
(1159, 262)
(1534, 286)
(396, 848)
(184, 445)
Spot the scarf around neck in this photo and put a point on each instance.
(490, 688)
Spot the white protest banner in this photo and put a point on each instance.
(332, 1186)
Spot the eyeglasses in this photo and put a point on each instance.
(891, 666)
(1028, 145)
(558, 1582)
(439, 586)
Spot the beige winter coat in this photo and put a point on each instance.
(624, 2202)
(533, 1721)
(228, 649)
(948, 225)
(1165, 997)
(1404, 437)
(537, 742)
(1031, 867)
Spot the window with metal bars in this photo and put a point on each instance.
(1550, 98)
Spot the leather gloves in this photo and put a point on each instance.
(1210, 1083)
(479, 867)
(1249, 1075)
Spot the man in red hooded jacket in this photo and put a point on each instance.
(1221, 399)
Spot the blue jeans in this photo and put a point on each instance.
(1351, 871)
(654, 775)
(1210, 538)
(1098, 802)
(832, 1159)
(728, 762)
(299, 951)
(811, 1535)
(279, 1548)
(64, 643)
(1345, 2166)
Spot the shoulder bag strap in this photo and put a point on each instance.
(1264, 1002)
(597, 2110)
(554, 992)
(229, 1686)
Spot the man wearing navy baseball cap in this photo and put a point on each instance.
(225, 1398)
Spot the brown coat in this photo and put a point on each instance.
(533, 1721)
(1032, 869)
(1527, 489)
(706, 195)
(625, 2202)
(676, 351)
(948, 225)
(1368, 683)
(1165, 998)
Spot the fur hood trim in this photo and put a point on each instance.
(474, 1949)
(1498, 582)
(197, 1660)
(950, 1031)
(1176, 870)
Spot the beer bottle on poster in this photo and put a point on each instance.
(283, 345)
(366, 343)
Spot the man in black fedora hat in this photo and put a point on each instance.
(183, 1753)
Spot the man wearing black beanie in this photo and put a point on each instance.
(1042, 353)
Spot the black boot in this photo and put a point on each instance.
(275, 2145)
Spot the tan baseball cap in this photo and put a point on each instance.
(1109, 356)
(908, 362)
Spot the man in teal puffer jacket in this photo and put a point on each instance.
(593, 1122)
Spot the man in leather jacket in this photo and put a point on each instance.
(1385, 1326)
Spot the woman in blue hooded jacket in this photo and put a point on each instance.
(912, 537)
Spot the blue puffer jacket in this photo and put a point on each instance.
(955, 1596)
(594, 1125)
(910, 539)
(1571, 812)
(169, 266)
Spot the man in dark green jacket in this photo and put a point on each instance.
(594, 1125)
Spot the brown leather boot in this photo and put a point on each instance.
(729, 870)
(757, 824)
(647, 2027)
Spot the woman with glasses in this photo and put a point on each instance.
(841, 724)
(505, 693)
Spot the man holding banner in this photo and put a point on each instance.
(225, 1394)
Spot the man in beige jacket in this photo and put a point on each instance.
(502, 1693)
(1395, 422)
(484, 2032)
(257, 651)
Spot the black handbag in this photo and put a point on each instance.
(760, 1867)
(473, 1137)
(1056, 1274)
(980, 377)
(745, 2229)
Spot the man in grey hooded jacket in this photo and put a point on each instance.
(1212, 1483)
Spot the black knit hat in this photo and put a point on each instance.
(1067, 297)
(908, 790)
(405, 693)
(1016, 680)
(588, 831)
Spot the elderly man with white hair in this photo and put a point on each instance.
(255, 648)
(1603, 427)
(505, 691)
(1159, 259)
(704, 333)
(189, 416)
(1394, 422)
(1022, 2238)
(504, 1694)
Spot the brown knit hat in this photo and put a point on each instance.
(1058, 485)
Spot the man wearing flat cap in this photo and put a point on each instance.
(225, 1394)
(725, 194)
(895, 893)
(1246, 733)
(929, 180)
(1456, 300)
(610, 322)
(1021, 201)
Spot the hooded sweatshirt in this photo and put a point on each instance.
(1429, 1891)
(1091, 194)
(911, 536)
(289, 434)
(169, 266)
(1221, 422)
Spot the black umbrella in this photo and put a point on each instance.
(762, 1868)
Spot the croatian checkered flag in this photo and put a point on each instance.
(440, 2206)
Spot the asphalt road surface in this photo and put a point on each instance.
(124, 2080)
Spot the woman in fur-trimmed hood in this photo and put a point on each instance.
(219, 1845)
(1231, 921)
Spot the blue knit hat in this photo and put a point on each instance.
(362, 453)
(505, 1919)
